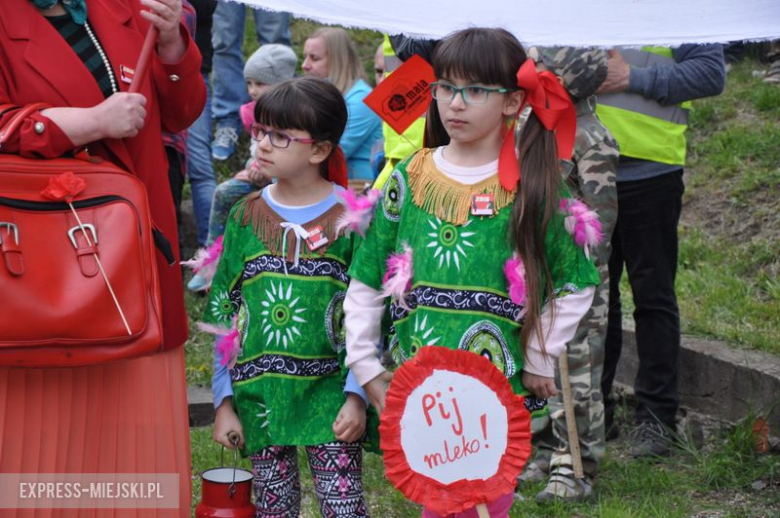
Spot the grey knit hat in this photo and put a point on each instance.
(271, 64)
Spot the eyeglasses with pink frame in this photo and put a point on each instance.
(279, 139)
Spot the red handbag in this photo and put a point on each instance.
(57, 308)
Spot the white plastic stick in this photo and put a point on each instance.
(100, 267)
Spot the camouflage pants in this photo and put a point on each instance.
(594, 182)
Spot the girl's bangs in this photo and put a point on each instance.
(479, 56)
(283, 107)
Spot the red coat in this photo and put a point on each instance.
(37, 65)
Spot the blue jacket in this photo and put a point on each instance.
(364, 128)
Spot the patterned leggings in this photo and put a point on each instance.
(226, 195)
(338, 480)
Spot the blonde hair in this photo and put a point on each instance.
(344, 67)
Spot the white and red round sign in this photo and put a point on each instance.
(453, 433)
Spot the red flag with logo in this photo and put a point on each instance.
(405, 95)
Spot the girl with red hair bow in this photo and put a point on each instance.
(471, 241)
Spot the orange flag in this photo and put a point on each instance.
(405, 95)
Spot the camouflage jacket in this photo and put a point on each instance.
(582, 69)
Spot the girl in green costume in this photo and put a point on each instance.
(279, 289)
(472, 255)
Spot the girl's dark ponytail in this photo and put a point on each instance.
(535, 203)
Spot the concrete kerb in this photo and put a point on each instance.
(201, 406)
(715, 380)
(718, 380)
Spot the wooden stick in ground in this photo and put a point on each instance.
(482, 510)
(568, 409)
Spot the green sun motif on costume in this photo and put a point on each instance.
(280, 316)
(422, 333)
(263, 415)
(449, 242)
(222, 308)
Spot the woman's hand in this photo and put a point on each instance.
(120, 116)
(539, 385)
(227, 426)
(350, 422)
(165, 15)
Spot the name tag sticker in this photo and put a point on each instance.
(482, 205)
(126, 74)
(317, 238)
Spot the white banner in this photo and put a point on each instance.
(605, 23)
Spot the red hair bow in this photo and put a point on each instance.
(337, 167)
(554, 109)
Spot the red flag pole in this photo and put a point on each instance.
(143, 60)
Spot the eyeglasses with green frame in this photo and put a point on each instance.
(279, 139)
(471, 94)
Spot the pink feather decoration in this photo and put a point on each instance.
(582, 223)
(514, 270)
(206, 260)
(359, 211)
(398, 278)
(228, 341)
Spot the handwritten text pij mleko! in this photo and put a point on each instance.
(454, 427)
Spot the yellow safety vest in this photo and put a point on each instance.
(643, 128)
(397, 147)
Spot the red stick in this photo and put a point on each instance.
(144, 59)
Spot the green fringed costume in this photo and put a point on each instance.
(288, 380)
(459, 296)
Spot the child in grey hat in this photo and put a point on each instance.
(270, 64)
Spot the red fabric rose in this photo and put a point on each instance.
(64, 187)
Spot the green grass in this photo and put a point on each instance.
(693, 482)
(199, 349)
(726, 291)
(729, 264)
